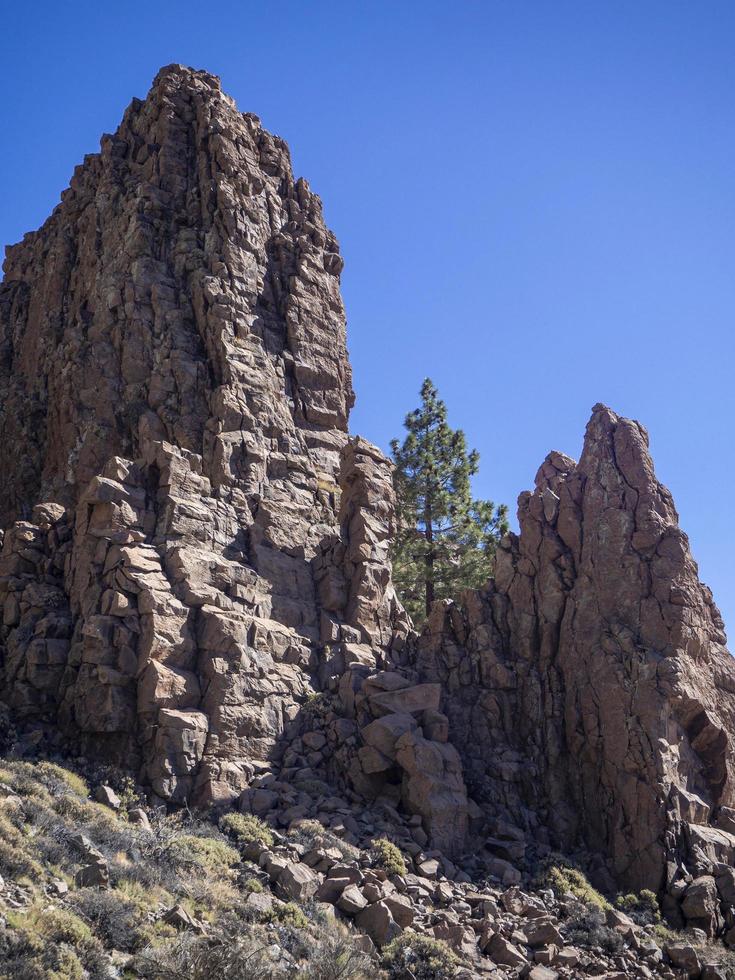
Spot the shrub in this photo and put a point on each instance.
(15, 861)
(310, 833)
(110, 915)
(587, 927)
(51, 923)
(209, 853)
(561, 877)
(247, 956)
(26, 957)
(665, 935)
(388, 857)
(642, 908)
(141, 898)
(246, 828)
(289, 914)
(414, 957)
(336, 956)
(59, 780)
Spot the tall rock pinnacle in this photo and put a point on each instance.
(186, 289)
(175, 388)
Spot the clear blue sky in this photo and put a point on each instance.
(535, 201)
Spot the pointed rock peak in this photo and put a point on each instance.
(183, 75)
(555, 467)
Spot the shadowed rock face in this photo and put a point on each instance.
(194, 545)
(588, 688)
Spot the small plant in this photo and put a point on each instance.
(562, 877)
(246, 828)
(289, 914)
(128, 793)
(642, 908)
(587, 927)
(414, 957)
(209, 853)
(388, 857)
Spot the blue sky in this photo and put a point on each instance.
(535, 202)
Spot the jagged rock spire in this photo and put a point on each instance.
(595, 666)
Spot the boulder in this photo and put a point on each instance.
(684, 957)
(296, 882)
(377, 921)
(701, 905)
(502, 951)
(351, 901)
(139, 817)
(107, 796)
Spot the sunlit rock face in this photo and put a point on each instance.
(194, 546)
(175, 390)
(588, 687)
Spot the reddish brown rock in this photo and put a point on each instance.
(194, 544)
(594, 665)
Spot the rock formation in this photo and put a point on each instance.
(588, 688)
(195, 580)
(174, 390)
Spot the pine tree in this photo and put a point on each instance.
(445, 540)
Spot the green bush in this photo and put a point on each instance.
(251, 955)
(642, 908)
(289, 914)
(24, 956)
(109, 913)
(335, 956)
(561, 877)
(57, 779)
(310, 833)
(51, 923)
(415, 957)
(246, 828)
(387, 856)
(209, 853)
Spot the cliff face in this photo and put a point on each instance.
(175, 387)
(594, 668)
(195, 547)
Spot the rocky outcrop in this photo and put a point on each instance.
(174, 380)
(588, 688)
(195, 579)
(211, 550)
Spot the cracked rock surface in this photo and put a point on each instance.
(588, 688)
(195, 580)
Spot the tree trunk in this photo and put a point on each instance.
(429, 572)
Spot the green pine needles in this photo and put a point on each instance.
(445, 540)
